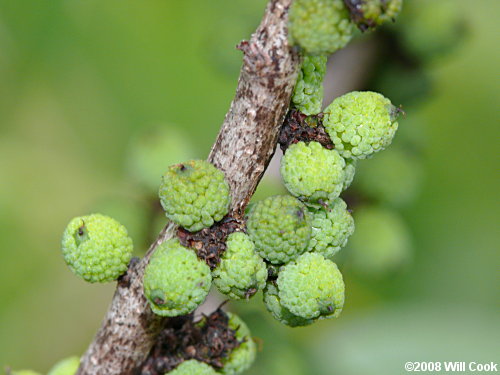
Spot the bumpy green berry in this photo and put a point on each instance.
(66, 366)
(175, 281)
(320, 26)
(431, 28)
(311, 287)
(152, 151)
(307, 95)
(393, 177)
(361, 123)
(241, 272)
(24, 372)
(242, 357)
(280, 227)
(193, 367)
(282, 314)
(331, 227)
(313, 173)
(194, 194)
(382, 242)
(350, 171)
(371, 13)
(96, 248)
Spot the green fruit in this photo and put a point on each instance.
(431, 28)
(153, 150)
(311, 287)
(193, 367)
(392, 177)
(360, 123)
(241, 271)
(96, 248)
(313, 173)
(307, 95)
(382, 11)
(194, 194)
(66, 366)
(279, 312)
(242, 357)
(381, 244)
(23, 372)
(372, 13)
(280, 227)
(320, 26)
(331, 228)
(175, 281)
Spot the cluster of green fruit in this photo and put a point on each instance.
(290, 240)
(323, 26)
(300, 234)
(287, 248)
(194, 195)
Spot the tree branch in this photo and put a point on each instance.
(245, 144)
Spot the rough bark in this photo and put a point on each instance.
(243, 149)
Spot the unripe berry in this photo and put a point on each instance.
(311, 287)
(24, 372)
(307, 95)
(361, 123)
(96, 248)
(280, 227)
(241, 271)
(381, 244)
(320, 26)
(331, 227)
(193, 367)
(194, 194)
(313, 173)
(372, 13)
(242, 357)
(66, 366)
(175, 281)
(282, 314)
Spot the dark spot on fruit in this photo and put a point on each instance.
(81, 234)
(159, 301)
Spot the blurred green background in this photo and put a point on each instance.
(80, 80)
